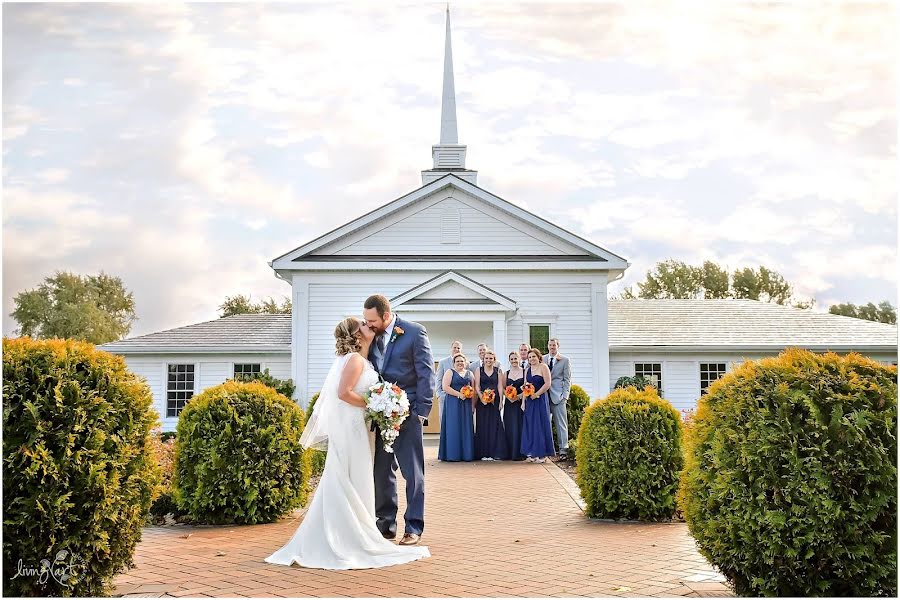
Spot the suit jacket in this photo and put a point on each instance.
(409, 364)
(445, 365)
(560, 378)
(475, 365)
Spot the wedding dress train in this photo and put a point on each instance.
(338, 530)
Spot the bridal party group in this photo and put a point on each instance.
(492, 412)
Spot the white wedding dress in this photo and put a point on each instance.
(338, 530)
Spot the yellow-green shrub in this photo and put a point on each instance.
(78, 469)
(316, 457)
(238, 457)
(629, 456)
(790, 483)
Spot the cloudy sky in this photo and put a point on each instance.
(181, 147)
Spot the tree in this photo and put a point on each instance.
(243, 305)
(883, 313)
(675, 279)
(92, 308)
(765, 285)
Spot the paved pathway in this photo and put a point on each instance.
(494, 529)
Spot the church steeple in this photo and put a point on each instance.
(449, 155)
(448, 100)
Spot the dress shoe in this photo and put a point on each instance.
(388, 535)
(410, 539)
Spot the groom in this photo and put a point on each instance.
(401, 353)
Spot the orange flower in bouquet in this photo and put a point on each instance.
(528, 390)
(510, 392)
(467, 391)
(487, 397)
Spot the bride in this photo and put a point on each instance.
(338, 530)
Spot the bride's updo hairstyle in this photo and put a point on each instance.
(345, 337)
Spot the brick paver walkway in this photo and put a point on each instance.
(494, 529)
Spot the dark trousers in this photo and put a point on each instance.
(409, 455)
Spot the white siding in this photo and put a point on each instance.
(681, 383)
(483, 230)
(561, 300)
(210, 370)
(617, 369)
(681, 371)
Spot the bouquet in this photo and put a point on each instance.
(467, 391)
(387, 406)
(511, 393)
(528, 390)
(487, 397)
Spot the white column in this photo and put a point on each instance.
(300, 339)
(500, 340)
(600, 337)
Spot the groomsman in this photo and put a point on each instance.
(523, 355)
(445, 365)
(476, 364)
(560, 384)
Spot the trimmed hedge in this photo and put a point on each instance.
(790, 485)
(316, 457)
(577, 403)
(629, 456)
(238, 457)
(78, 468)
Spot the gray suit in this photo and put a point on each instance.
(560, 384)
(475, 365)
(445, 365)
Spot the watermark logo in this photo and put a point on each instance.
(64, 566)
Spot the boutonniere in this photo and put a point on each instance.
(398, 331)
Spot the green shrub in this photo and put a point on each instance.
(78, 469)
(285, 387)
(638, 382)
(316, 457)
(629, 456)
(790, 484)
(238, 457)
(573, 448)
(578, 401)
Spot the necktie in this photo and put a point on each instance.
(379, 343)
(551, 363)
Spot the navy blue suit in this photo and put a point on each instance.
(407, 362)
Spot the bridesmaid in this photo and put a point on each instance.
(537, 438)
(490, 441)
(457, 440)
(512, 409)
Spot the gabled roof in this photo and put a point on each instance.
(481, 295)
(634, 325)
(238, 333)
(291, 259)
(738, 325)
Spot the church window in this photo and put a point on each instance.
(653, 372)
(180, 388)
(538, 337)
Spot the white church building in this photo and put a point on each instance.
(474, 267)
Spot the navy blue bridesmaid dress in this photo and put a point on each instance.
(537, 438)
(512, 420)
(457, 439)
(490, 441)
